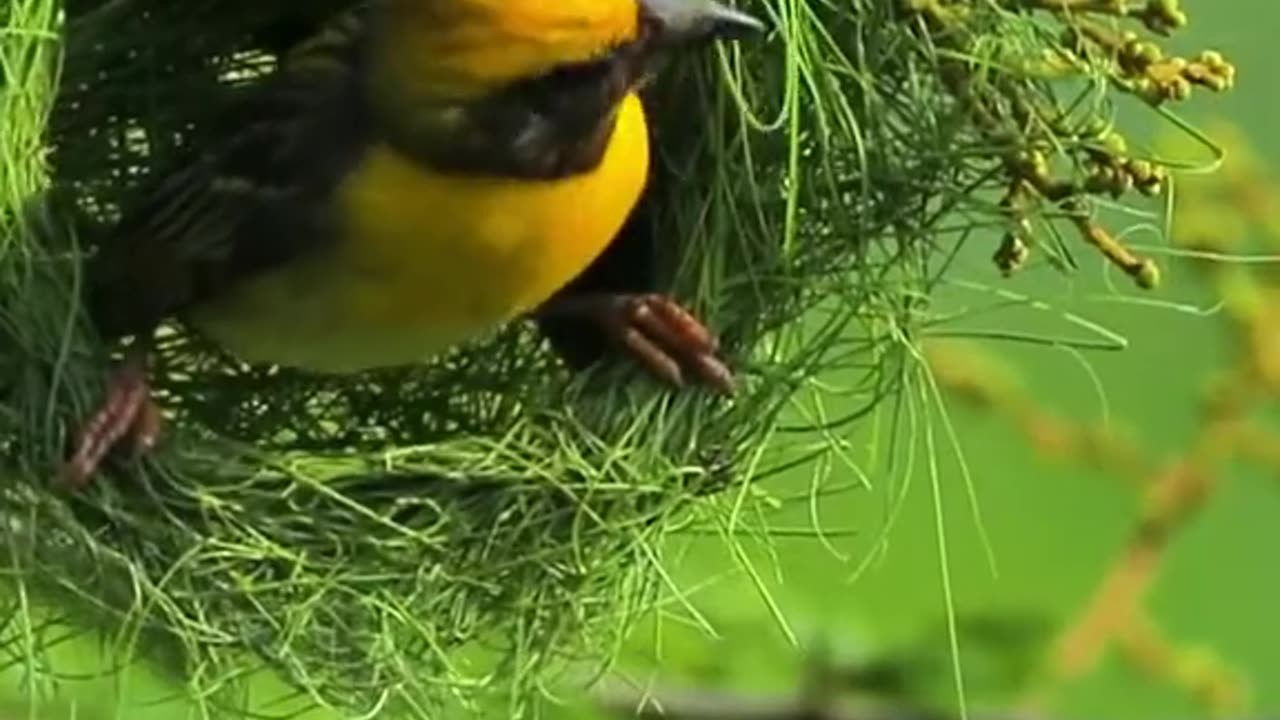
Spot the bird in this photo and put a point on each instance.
(627, 266)
(413, 176)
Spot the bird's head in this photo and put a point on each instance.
(470, 48)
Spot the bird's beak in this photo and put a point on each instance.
(691, 22)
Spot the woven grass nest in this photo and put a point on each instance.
(384, 540)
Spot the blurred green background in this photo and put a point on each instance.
(1056, 524)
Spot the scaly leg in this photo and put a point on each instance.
(127, 412)
(661, 335)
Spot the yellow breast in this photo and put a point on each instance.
(429, 261)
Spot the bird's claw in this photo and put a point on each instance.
(667, 340)
(127, 412)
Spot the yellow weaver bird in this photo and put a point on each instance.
(412, 177)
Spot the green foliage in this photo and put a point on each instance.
(402, 536)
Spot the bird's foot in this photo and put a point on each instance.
(127, 412)
(667, 340)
